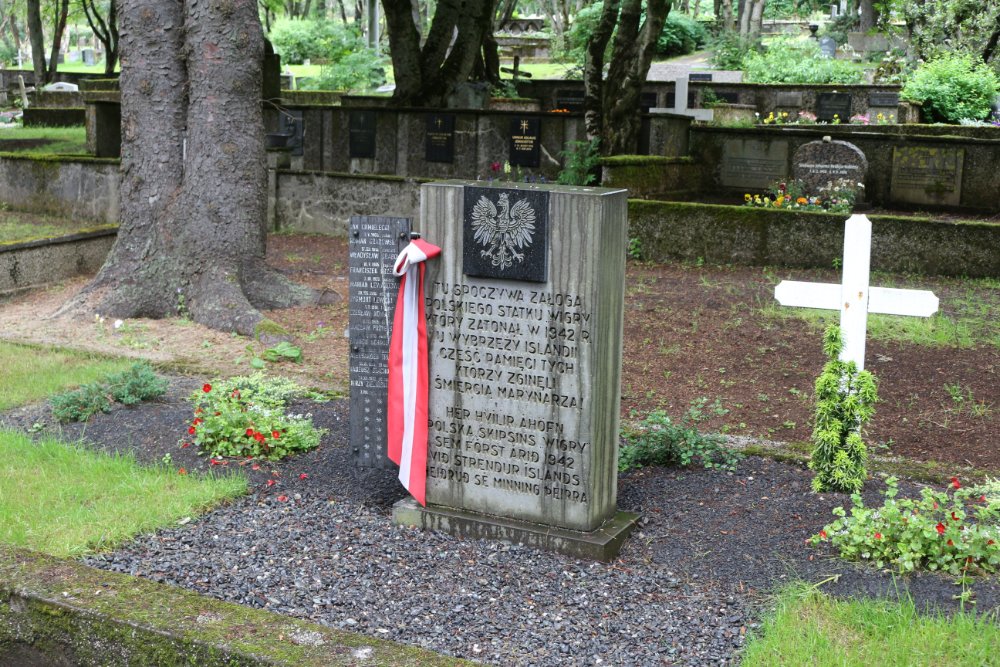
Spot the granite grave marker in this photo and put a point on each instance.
(375, 242)
(833, 106)
(818, 163)
(927, 175)
(361, 137)
(439, 140)
(524, 141)
(749, 164)
(524, 377)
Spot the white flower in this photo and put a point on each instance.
(118, 324)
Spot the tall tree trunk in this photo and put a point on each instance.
(193, 170)
(37, 41)
(343, 11)
(866, 16)
(631, 56)
(593, 69)
(59, 25)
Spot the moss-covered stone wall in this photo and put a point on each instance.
(59, 612)
(758, 236)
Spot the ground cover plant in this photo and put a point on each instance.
(659, 440)
(809, 628)
(248, 416)
(797, 61)
(138, 383)
(66, 501)
(32, 373)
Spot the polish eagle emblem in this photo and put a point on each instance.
(503, 231)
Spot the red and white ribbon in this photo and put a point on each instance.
(407, 418)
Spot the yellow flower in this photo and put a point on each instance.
(747, 197)
(756, 199)
(779, 201)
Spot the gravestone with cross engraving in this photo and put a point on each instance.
(524, 321)
(854, 298)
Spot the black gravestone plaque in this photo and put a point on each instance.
(829, 105)
(670, 99)
(375, 242)
(700, 76)
(291, 125)
(524, 141)
(439, 142)
(570, 100)
(361, 140)
(647, 101)
(506, 234)
(883, 99)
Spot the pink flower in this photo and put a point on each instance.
(303, 476)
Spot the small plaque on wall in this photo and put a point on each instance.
(524, 141)
(439, 141)
(361, 143)
(506, 234)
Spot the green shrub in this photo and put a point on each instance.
(729, 50)
(797, 61)
(348, 63)
(581, 158)
(681, 35)
(658, 440)
(845, 400)
(953, 87)
(138, 383)
(954, 531)
(246, 417)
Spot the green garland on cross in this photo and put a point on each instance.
(845, 401)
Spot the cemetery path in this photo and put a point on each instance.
(691, 332)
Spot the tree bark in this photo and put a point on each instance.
(428, 75)
(866, 16)
(37, 40)
(193, 170)
(59, 26)
(593, 69)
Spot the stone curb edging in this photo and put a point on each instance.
(55, 611)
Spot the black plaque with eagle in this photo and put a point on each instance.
(506, 234)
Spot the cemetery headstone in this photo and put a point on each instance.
(833, 106)
(884, 100)
(700, 76)
(749, 164)
(788, 99)
(569, 99)
(927, 175)
(681, 102)
(525, 140)
(89, 58)
(439, 142)
(524, 372)
(818, 163)
(375, 242)
(854, 298)
(62, 87)
(828, 47)
(361, 138)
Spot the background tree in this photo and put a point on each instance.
(193, 170)
(103, 22)
(37, 39)
(611, 104)
(429, 69)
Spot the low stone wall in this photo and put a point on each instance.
(32, 263)
(59, 612)
(323, 203)
(976, 185)
(761, 237)
(84, 188)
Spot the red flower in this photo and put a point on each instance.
(940, 528)
(182, 471)
(249, 432)
(935, 504)
(275, 435)
(878, 536)
(950, 543)
(198, 411)
(198, 420)
(271, 483)
(989, 542)
(236, 393)
(953, 517)
(305, 476)
(191, 430)
(255, 467)
(185, 445)
(955, 484)
(282, 499)
(495, 166)
(259, 437)
(215, 462)
(982, 498)
(207, 388)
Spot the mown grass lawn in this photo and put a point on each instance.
(61, 140)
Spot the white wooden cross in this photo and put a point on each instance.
(854, 298)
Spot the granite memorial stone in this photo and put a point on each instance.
(927, 175)
(818, 163)
(439, 141)
(524, 141)
(749, 164)
(833, 106)
(524, 377)
(828, 47)
(375, 242)
(361, 137)
(787, 99)
(884, 100)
